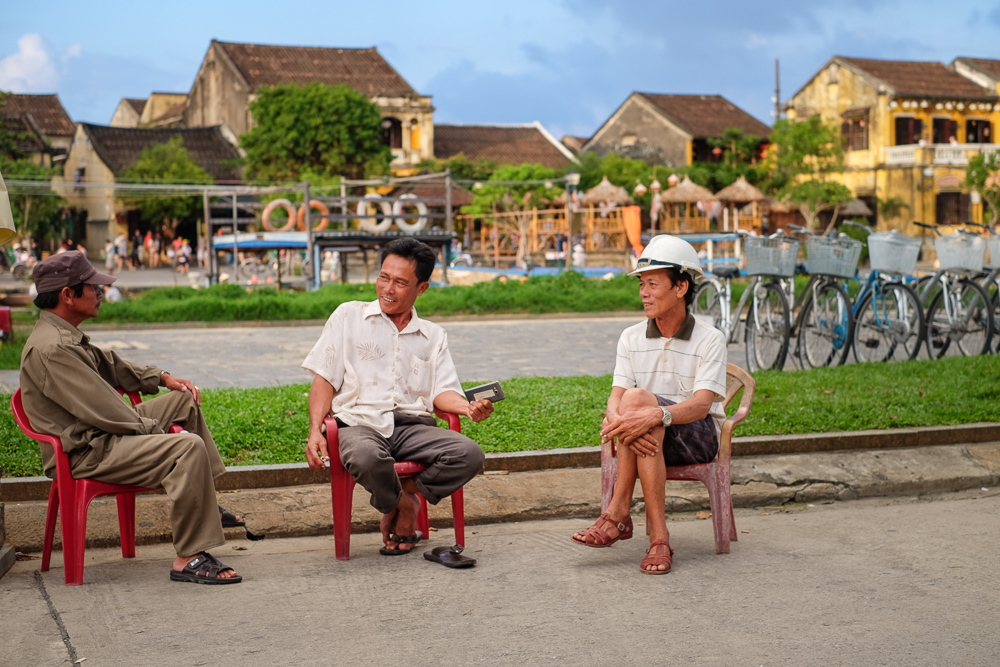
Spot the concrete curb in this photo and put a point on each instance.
(499, 496)
(297, 474)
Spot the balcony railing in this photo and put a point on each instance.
(936, 154)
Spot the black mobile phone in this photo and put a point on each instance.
(490, 391)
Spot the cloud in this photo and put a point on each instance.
(31, 69)
(74, 51)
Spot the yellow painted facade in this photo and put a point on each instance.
(918, 173)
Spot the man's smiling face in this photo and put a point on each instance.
(397, 286)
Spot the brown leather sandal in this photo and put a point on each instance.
(658, 558)
(597, 537)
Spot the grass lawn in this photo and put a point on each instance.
(269, 425)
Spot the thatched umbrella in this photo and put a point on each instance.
(740, 192)
(686, 192)
(606, 193)
(855, 207)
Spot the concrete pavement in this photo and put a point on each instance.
(871, 582)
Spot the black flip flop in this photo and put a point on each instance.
(401, 539)
(229, 519)
(205, 569)
(449, 556)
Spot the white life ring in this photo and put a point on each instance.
(397, 213)
(323, 211)
(282, 203)
(371, 224)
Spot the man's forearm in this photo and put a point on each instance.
(451, 401)
(320, 402)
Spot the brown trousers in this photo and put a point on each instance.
(184, 464)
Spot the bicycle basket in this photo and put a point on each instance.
(960, 252)
(833, 257)
(771, 257)
(894, 253)
(993, 245)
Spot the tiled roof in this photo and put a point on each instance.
(920, 79)
(459, 195)
(138, 105)
(121, 147)
(28, 139)
(704, 116)
(364, 70)
(47, 111)
(575, 144)
(504, 144)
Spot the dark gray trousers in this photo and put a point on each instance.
(452, 459)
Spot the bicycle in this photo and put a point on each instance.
(959, 310)
(888, 318)
(767, 325)
(825, 316)
(989, 280)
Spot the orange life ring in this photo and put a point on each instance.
(282, 203)
(323, 211)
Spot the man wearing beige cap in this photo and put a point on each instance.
(68, 389)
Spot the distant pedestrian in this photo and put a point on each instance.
(109, 255)
(155, 244)
(121, 251)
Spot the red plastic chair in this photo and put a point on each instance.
(342, 485)
(715, 475)
(75, 496)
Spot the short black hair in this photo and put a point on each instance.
(49, 300)
(677, 277)
(412, 249)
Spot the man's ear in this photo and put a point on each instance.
(66, 294)
(422, 287)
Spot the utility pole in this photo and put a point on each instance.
(777, 93)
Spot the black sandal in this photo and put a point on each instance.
(401, 539)
(449, 556)
(229, 520)
(205, 569)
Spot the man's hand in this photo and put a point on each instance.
(177, 384)
(479, 410)
(632, 429)
(316, 452)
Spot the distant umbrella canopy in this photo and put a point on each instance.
(855, 207)
(686, 192)
(740, 192)
(606, 193)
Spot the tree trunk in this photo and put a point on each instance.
(523, 257)
(833, 220)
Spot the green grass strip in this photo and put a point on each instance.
(253, 426)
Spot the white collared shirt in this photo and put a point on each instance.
(674, 368)
(376, 370)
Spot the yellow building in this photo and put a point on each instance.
(909, 129)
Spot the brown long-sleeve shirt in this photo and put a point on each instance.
(67, 386)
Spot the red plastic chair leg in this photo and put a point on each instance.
(458, 513)
(721, 516)
(126, 523)
(423, 522)
(74, 534)
(342, 485)
(50, 526)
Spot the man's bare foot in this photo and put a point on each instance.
(180, 563)
(406, 521)
(387, 526)
(659, 558)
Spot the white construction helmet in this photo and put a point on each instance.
(664, 251)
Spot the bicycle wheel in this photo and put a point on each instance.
(708, 302)
(889, 324)
(767, 329)
(969, 325)
(824, 334)
(976, 323)
(994, 295)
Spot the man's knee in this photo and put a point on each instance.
(637, 398)
(361, 451)
(466, 452)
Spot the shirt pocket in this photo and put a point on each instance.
(418, 378)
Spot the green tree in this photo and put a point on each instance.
(39, 214)
(315, 133)
(623, 172)
(495, 197)
(983, 175)
(168, 163)
(802, 156)
(740, 157)
(462, 168)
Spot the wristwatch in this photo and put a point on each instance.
(668, 418)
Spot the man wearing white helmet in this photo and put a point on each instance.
(665, 405)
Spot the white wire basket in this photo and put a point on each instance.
(833, 257)
(771, 257)
(960, 252)
(993, 245)
(893, 253)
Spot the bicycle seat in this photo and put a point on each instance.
(727, 272)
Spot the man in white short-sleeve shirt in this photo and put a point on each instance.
(382, 371)
(665, 405)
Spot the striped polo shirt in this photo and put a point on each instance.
(674, 368)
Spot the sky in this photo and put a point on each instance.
(568, 64)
